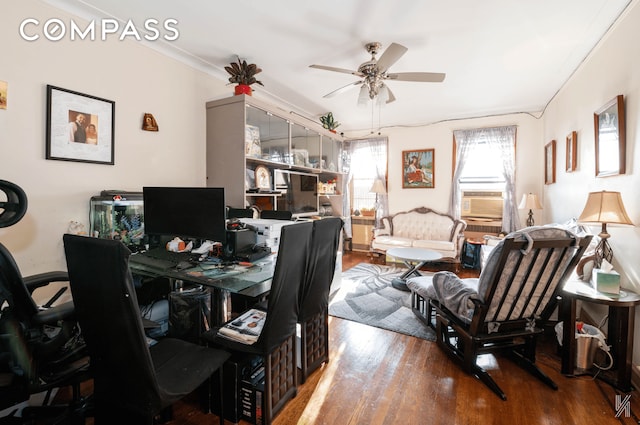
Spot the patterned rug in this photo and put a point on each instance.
(366, 296)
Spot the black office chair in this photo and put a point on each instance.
(133, 383)
(277, 341)
(314, 304)
(40, 347)
(276, 215)
(240, 212)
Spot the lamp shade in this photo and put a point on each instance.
(530, 202)
(378, 187)
(604, 207)
(363, 96)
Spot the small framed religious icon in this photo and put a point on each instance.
(263, 178)
(149, 123)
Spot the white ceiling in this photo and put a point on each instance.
(500, 56)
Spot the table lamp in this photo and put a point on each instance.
(379, 189)
(604, 207)
(530, 201)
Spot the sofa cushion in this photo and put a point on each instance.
(385, 242)
(435, 245)
(429, 226)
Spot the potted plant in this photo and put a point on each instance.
(243, 75)
(328, 122)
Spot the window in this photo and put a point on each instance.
(364, 174)
(485, 161)
(367, 161)
(482, 169)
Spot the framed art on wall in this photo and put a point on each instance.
(79, 127)
(610, 135)
(550, 162)
(418, 169)
(572, 153)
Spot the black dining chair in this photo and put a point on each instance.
(314, 300)
(133, 381)
(276, 344)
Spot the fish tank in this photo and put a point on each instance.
(118, 215)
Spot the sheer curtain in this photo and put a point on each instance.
(502, 141)
(365, 158)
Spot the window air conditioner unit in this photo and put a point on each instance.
(486, 205)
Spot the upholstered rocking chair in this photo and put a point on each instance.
(504, 308)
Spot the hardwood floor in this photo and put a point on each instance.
(376, 376)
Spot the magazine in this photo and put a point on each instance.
(246, 328)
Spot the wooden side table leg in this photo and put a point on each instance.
(620, 332)
(568, 316)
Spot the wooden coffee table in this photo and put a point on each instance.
(414, 259)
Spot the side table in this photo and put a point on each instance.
(413, 258)
(619, 335)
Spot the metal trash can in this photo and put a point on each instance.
(587, 343)
(586, 346)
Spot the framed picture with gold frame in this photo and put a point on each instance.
(572, 153)
(263, 178)
(610, 135)
(550, 162)
(418, 168)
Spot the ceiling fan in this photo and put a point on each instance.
(374, 72)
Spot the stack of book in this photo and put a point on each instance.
(246, 328)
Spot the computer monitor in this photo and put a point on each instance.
(187, 212)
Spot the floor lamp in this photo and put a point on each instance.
(379, 189)
(604, 207)
(530, 201)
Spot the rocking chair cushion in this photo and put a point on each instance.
(455, 294)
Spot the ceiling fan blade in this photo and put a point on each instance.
(343, 89)
(334, 69)
(391, 56)
(426, 77)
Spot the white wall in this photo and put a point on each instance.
(529, 156)
(139, 80)
(612, 69)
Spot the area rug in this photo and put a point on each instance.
(366, 296)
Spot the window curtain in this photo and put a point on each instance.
(378, 149)
(502, 140)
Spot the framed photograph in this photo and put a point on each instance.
(610, 134)
(79, 127)
(418, 169)
(300, 157)
(550, 162)
(572, 152)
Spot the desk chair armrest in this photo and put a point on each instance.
(43, 279)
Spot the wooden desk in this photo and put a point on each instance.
(251, 282)
(619, 335)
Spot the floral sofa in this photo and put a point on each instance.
(421, 228)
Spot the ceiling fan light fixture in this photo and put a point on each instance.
(363, 97)
(383, 95)
(374, 72)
